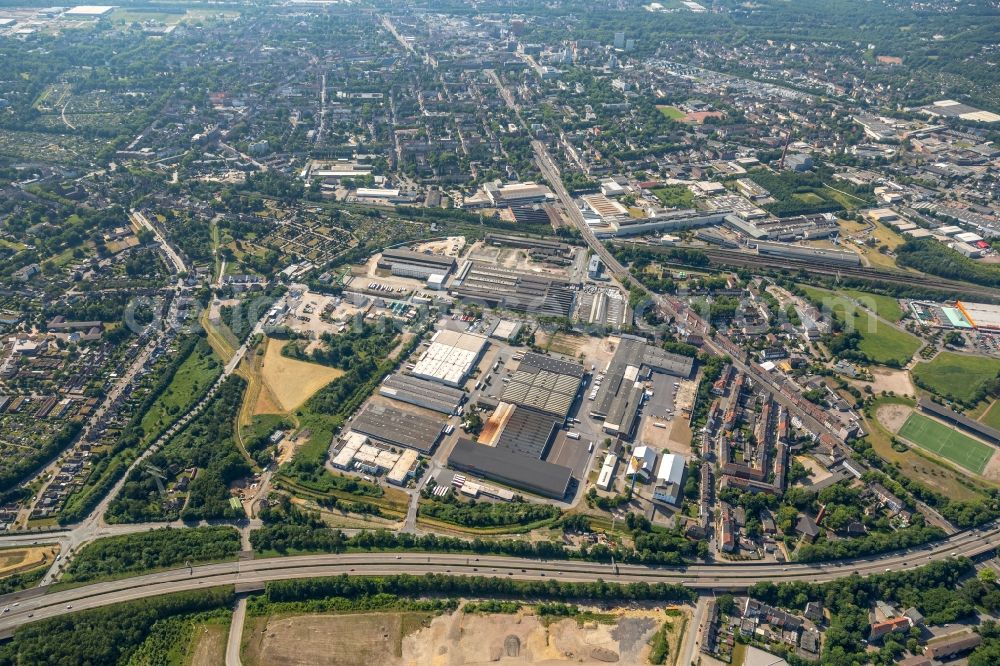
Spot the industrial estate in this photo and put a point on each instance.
(446, 332)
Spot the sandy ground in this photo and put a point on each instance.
(461, 639)
(992, 469)
(291, 381)
(456, 639)
(14, 560)
(289, 445)
(452, 246)
(893, 416)
(515, 258)
(819, 473)
(210, 645)
(887, 379)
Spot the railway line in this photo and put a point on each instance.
(736, 258)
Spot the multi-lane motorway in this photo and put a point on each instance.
(253, 574)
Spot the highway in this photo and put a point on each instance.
(255, 573)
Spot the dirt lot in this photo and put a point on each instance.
(819, 473)
(333, 640)
(897, 381)
(15, 560)
(452, 246)
(515, 258)
(415, 639)
(893, 416)
(524, 639)
(210, 644)
(992, 469)
(290, 381)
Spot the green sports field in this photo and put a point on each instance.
(946, 442)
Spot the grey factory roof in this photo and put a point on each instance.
(981, 429)
(422, 392)
(514, 290)
(619, 398)
(396, 426)
(528, 432)
(663, 361)
(411, 257)
(545, 384)
(513, 469)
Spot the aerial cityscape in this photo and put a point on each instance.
(447, 332)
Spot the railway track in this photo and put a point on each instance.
(723, 257)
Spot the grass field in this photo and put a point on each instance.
(946, 442)
(339, 640)
(880, 341)
(671, 112)
(956, 376)
(197, 371)
(291, 381)
(914, 462)
(809, 198)
(885, 307)
(992, 416)
(675, 196)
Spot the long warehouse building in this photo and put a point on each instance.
(396, 426)
(422, 393)
(407, 263)
(618, 400)
(511, 468)
(988, 433)
(511, 289)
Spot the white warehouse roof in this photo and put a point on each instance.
(671, 469)
(450, 357)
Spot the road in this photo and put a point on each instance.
(93, 525)
(236, 633)
(694, 634)
(172, 255)
(250, 573)
(692, 320)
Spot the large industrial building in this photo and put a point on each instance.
(621, 393)
(544, 384)
(520, 429)
(981, 315)
(516, 194)
(665, 221)
(511, 468)
(786, 229)
(360, 454)
(422, 392)
(407, 263)
(396, 426)
(669, 476)
(511, 289)
(450, 358)
(517, 436)
(807, 253)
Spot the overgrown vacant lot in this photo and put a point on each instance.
(956, 376)
(880, 341)
(119, 556)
